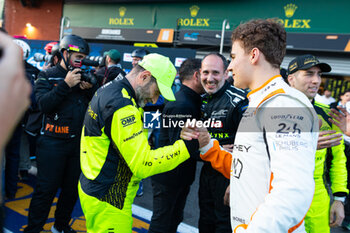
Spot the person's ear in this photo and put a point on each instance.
(226, 74)
(65, 54)
(290, 79)
(254, 55)
(144, 77)
(197, 76)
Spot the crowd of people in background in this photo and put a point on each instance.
(274, 153)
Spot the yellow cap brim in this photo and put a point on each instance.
(166, 91)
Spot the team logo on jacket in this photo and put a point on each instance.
(126, 121)
(219, 114)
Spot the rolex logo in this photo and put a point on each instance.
(194, 10)
(122, 11)
(290, 9)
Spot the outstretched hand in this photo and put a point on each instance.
(341, 119)
(188, 133)
(327, 139)
(191, 132)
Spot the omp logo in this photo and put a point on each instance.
(128, 120)
(151, 120)
(194, 10)
(290, 9)
(122, 11)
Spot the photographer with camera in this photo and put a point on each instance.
(63, 98)
(52, 56)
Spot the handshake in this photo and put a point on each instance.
(190, 132)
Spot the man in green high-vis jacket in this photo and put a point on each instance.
(115, 154)
(304, 74)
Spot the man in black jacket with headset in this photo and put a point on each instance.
(63, 99)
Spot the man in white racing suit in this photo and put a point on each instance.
(272, 163)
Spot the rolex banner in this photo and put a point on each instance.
(297, 16)
(325, 27)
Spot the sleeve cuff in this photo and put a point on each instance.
(207, 147)
(192, 146)
(340, 194)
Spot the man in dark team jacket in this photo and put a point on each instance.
(63, 99)
(226, 104)
(170, 189)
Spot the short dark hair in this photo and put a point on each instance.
(267, 35)
(224, 61)
(188, 68)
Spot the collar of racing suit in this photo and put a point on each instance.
(262, 86)
(126, 84)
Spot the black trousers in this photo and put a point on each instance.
(12, 163)
(58, 167)
(168, 207)
(214, 216)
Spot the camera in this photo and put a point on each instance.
(38, 57)
(100, 60)
(88, 62)
(87, 76)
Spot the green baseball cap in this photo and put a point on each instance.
(163, 70)
(114, 55)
